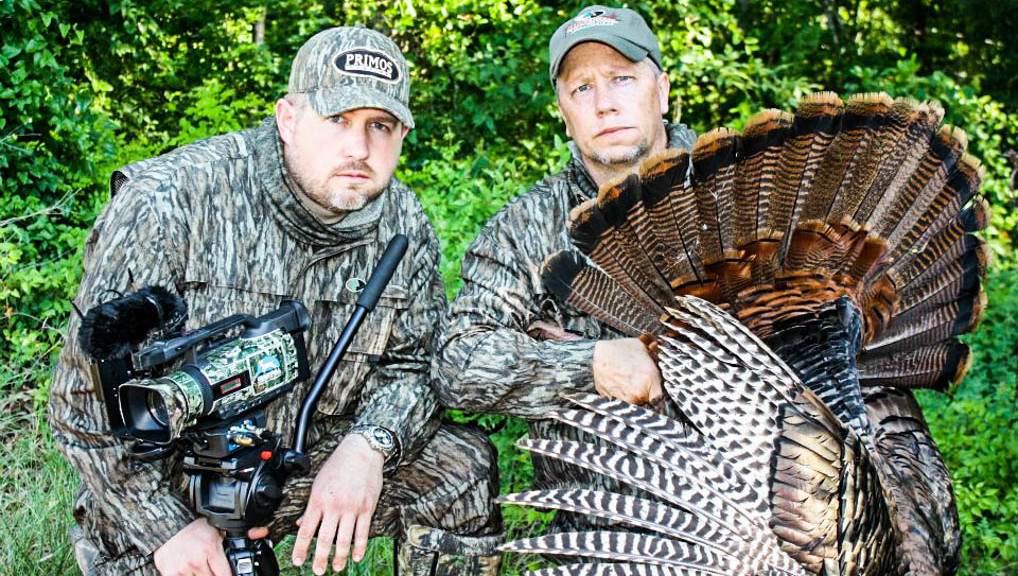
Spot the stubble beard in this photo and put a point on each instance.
(335, 202)
(625, 161)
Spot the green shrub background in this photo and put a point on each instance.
(87, 86)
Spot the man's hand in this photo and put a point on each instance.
(623, 369)
(197, 550)
(342, 501)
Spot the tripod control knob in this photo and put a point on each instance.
(268, 493)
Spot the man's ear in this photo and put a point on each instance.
(558, 104)
(286, 119)
(663, 85)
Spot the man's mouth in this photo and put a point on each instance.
(612, 130)
(354, 175)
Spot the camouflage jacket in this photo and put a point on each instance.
(507, 346)
(217, 221)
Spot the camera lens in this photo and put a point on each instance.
(157, 407)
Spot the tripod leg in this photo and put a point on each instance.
(250, 557)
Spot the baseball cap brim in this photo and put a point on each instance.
(331, 101)
(623, 46)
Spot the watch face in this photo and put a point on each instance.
(383, 437)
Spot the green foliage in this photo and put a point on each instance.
(37, 487)
(460, 193)
(86, 86)
(976, 428)
(52, 136)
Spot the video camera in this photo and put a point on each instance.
(213, 402)
(221, 377)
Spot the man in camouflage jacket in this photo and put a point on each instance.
(299, 208)
(509, 346)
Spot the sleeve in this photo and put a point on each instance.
(397, 394)
(140, 237)
(485, 359)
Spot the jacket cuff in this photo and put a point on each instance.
(392, 423)
(163, 515)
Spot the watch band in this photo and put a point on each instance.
(379, 438)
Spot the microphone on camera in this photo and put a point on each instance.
(114, 329)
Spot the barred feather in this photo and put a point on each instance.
(621, 569)
(627, 546)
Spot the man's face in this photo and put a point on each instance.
(612, 107)
(342, 162)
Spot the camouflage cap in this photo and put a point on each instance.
(621, 28)
(346, 68)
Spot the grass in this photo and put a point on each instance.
(37, 488)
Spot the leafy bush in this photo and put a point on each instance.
(976, 427)
(53, 137)
(86, 86)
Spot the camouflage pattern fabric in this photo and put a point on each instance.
(217, 222)
(507, 346)
(345, 68)
(435, 552)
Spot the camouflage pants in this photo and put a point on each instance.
(444, 494)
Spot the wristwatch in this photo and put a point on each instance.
(380, 439)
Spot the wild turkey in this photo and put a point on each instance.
(842, 238)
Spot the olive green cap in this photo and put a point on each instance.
(346, 68)
(621, 28)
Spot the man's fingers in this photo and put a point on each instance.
(218, 564)
(360, 537)
(309, 522)
(258, 532)
(343, 542)
(326, 536)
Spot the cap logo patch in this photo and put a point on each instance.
(591, 19)
(368, 63)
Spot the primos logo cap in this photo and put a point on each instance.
(369, 63)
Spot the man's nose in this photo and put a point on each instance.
(355, 144)
(605, 101)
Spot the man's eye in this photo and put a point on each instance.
(381, 127)
(582, 88)
(623, 79)
(337, 119)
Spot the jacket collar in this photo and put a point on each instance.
(287, 209)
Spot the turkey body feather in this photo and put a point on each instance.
(839, 245)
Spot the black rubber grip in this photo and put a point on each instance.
(383, 272)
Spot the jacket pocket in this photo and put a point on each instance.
(328, 320)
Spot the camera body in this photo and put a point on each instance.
(221, 378)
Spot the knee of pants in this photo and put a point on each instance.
(480, 452)
(467, 460)
(432, 552)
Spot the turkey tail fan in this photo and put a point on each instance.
(589, 288)
(814, 127)
(846, 237)
(868, 198)
(669, 202)
(755, 477)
